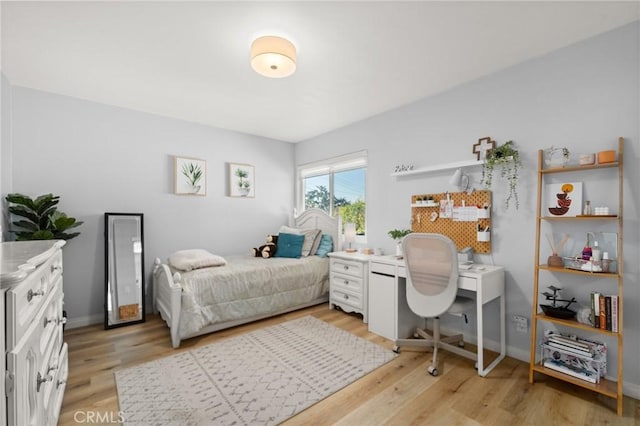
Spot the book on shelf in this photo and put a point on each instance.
(570, 370)
(614, 313)
(604, 311)
(585, 353)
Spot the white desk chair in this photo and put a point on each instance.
(431, 262)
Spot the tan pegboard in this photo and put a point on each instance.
(463, 234)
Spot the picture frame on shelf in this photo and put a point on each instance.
(563, 199)
(241, 180)
(190, 176)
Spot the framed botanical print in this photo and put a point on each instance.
(190, 176)
(241, 180)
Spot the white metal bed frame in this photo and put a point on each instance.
(167, 291)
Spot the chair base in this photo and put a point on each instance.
(426, 340)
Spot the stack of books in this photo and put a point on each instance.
(581, 358)
(604, 311)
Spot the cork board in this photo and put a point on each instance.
(459, 224)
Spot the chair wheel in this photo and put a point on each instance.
(432, 370)
(396, 349)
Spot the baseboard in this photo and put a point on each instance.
(84, 321)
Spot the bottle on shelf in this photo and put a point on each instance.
(587, 208)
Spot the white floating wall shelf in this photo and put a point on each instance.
(448, 166)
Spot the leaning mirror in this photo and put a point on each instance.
(124, 269)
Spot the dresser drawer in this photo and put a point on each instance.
(58, 386)
(344, 298)
(26, 299)
(346, 282)
(347, 267)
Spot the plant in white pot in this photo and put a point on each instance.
(398, 235)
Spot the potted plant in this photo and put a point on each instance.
(40, 218)
(398, 235)
(508, 159)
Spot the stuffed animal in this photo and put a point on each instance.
(267, 250)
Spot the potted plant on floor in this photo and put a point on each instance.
(398, 235)
(507, 158)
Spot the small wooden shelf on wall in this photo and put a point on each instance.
(448, 166)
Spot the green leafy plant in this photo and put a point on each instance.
(399, 234)
(242, 174)
(507, 158)
(40, 218)
(193, 173)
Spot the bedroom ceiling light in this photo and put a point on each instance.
(273, 56)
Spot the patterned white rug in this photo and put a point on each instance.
(262, 377)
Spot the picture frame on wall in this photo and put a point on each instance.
(190, 176)
(241, 180)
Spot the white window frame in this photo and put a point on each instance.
(355, 160)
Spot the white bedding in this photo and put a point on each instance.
(248, 286)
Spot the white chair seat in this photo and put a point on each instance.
(461, 305)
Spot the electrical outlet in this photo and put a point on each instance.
(521, 323)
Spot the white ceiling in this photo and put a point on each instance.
(190, 60)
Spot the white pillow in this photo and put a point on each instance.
(310, 236)
(289, 230)
(187, 260)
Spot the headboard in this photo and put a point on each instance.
(319, 219)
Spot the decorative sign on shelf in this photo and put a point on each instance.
(463, 217)
(483, 146)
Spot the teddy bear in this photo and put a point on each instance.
(267, 250)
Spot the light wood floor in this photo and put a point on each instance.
(398, 393)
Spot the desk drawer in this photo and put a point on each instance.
(344, 298)
(467, 283)
(383, 268)
(347, 267)
(346, 282)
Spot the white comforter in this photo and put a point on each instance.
(249, 286)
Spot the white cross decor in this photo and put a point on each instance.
(483, 146)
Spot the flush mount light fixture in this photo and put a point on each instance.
(273, 56)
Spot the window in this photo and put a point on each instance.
(336, 186)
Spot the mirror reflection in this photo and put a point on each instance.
(124, 269)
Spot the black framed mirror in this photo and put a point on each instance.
(124, 269)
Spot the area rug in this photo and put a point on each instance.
(262, 377)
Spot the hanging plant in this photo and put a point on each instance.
(508, 159)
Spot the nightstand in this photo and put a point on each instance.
(349, 282)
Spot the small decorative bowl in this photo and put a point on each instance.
(587, 159)
(606, 157)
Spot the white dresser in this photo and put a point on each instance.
(348, 277)
(34, 355)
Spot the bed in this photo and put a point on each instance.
(245, 289)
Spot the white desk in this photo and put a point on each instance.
(390, 316)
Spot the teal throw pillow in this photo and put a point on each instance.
(325, 247)
(289, 245)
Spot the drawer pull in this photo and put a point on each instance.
(62, 320)
(346, 268)
(346, 282)
(60, 382)
(40, 380)
(48, 321)
(346, 297)
(52, 368)
(31, 294)
(55, 268)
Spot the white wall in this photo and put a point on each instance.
(582, 97)
(101, 159)
(5, 151)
